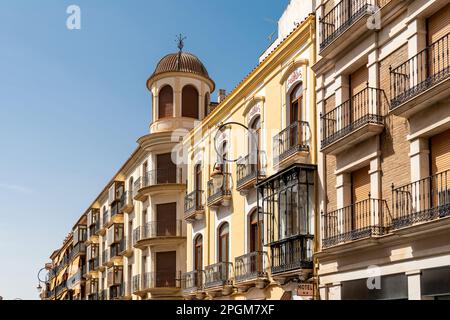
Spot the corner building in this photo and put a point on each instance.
(383, 71)
(131, 241)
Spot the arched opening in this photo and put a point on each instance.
(165, 99)
(190, 102)
(223, 242)
(255, 232)
(254, 144)
(198, 253)
(295, 115)
(207, 100)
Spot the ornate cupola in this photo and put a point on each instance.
(181, 89)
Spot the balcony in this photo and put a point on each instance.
(192, 282)
(75, 279)
(421, 80)
(136, 285)
(221, 195)
(93, 266)
(247, 171)
(78, 250)
(422, 201)
(366, 219)
(218, 277)
(93, 231)
(159, 232)
(117, 292)
(160, 181)
(194, 208)
(291, 142)
(250, 270)
(291, 255)
(344, 24)
(126, 246)
(161, 282)
(354, 121)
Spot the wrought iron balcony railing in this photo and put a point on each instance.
(193, 202)
(367, 218)
(421, 201)
(293, 139)
(161, 279)
(292, 253)
(192, 281)
(368, 106)
(136, 284)
(247, 168)
(343, 15)
(162, 176)
(215, 193)
(426, 69)
(157, 229)
(79, 248)
(250, 266)
(218, 274)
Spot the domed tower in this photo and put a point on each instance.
(181, 89)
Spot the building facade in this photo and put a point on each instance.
(383, 101)
(131, 241)
(260, 139)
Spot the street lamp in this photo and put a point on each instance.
(47, 267)
(218, 175)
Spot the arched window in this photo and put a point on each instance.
(255, 232)
(207, 100)
(198, 252)
(190, 102)
(165, 107)
(296, 99)
(223, 241)
(254, 142)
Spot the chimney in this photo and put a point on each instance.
(221, 95)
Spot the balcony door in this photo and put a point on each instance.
(440, 166)
(198, 259)
(166, 269)
(166, 216)
(198, 185)
(438, 26)
(224, 239)
(255, 242)
(254, 144)
(166, 170)
(360, 213)
(295, 112)
(359, 104)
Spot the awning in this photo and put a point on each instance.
(63, 296)
(74, 267)
(61, 275)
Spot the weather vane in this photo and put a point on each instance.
(180, 41)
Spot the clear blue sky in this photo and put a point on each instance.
(73, 103)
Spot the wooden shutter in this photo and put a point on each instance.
(166, 215)
(438, 24)
(166, 269)
(360, 184)
(440, 152)
(167, 170)
(358, 80)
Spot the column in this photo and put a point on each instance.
(414, 291)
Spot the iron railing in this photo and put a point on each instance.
(136, 284)
(192, 281)
(156, 229)
(161, 279)
(215, 193)
(424, 200)
(247, 168)
(79, 248)
(421, 72)
(367, 218)
(342, 16)
(292, 253)
(293, 139)
(218, 274)
(162, 176)
(136, 186)
(193, 202)
(250, 266)
(125, 244)
(368, 106)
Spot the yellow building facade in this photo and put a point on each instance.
(234, 251)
